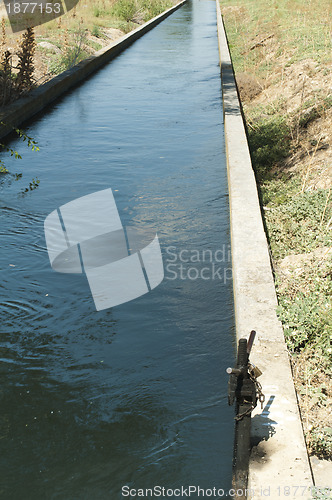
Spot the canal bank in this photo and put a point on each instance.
(134, 395)
(279, 461)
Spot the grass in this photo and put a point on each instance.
(281, 52)
(305, 306)
(302, 30)
(109, 14)
(297, 222)
(269, 140)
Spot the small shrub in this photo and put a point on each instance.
(154, 7)
(305, 306)
(124, 9)
(320, 441)
(96, 11)
(96, 31)
(12, 85)
(306, 319)
(94, 45)
(278, 191)
(24, 80)
(269, 142)
(7, 81)
(3, 39)
(73, 52)
(296, 225)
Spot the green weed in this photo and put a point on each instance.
(269, 142)
(97, 11)
(124, 9)
(307, 319)
(96, 31)
(321, 442)
(296, 225)
(72, 53)
(131, 10)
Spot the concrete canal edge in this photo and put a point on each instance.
(15, 114)
(279, 461)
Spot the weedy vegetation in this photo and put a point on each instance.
(32, 144)
(16, 80)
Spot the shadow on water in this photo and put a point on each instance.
(53, 439)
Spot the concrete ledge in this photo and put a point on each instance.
(279, 457)
(26, 107)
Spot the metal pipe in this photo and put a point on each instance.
(235, 371)
(251, 340)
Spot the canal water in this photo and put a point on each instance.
(137, 394)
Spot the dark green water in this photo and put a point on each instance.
(134, 395)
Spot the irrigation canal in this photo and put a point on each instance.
(136, 394)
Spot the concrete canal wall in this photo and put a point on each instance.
(279, 461)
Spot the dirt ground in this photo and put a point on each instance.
(299, 85)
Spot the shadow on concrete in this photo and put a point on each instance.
(262, 427)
